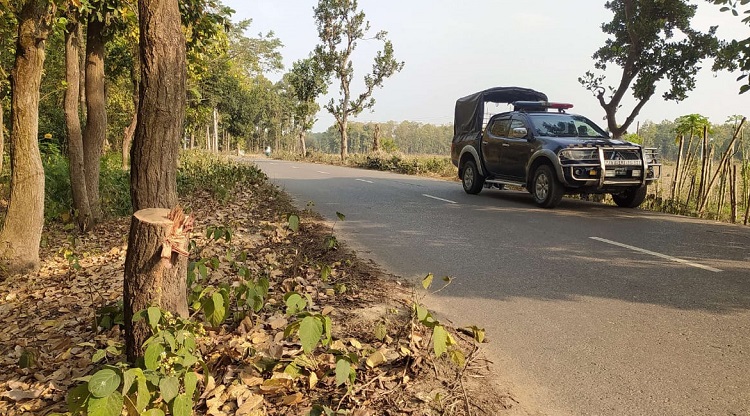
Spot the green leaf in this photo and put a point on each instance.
(214, 309)
(427, 281)
(422, 313)
(294, 222)
(154, 314)
(439, 340)
(98, 356)
(325, 273)
(104, 382)
(152, 355)
(328, 325)
(342, 371)
(77, 397)
(457, 357)
(105, 406)
(129, 378)
(191, 381)
(341, 216)
(144, 395)
(295, 303)
(153, 412)
(310, 331)
(380, 331)
(169, 387)
(182, 405)
(477, 333)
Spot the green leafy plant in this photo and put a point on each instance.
(443, 341)
(330, 242)
(163, 381)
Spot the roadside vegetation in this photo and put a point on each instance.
(284, 319)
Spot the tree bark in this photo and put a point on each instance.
(73, 125)
(2, 135)
(127, 139)
(96, 119)
(22, 227)
(150, 278)
(376, 139)
(161, 111)
(153, 173)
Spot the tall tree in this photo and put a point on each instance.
(340, 26)
(94, 134)
(307, 81)
(22, 228)
(153, 174)
(73, 120)
(650, 40)
(735, 55)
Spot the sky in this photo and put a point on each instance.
(454, 48)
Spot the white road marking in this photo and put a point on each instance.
(652, 253)
(364, 180)
(295, 167)
(324, 173)
(440, 199)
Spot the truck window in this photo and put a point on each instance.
(500, 127)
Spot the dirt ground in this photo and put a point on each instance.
(49, 330)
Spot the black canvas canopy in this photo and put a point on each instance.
(470, 109)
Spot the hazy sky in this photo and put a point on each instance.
(454, 48)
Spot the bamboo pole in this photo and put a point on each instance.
(723, 160)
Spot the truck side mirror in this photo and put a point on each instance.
(518, 132)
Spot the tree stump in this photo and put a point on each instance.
(155, 270)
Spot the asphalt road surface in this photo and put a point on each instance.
(590, 309)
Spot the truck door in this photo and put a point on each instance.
(516, 151)
(492, 142)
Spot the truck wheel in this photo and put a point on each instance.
(631, 197)
(472, 180)
(545, 188)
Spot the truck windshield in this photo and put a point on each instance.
(565, 125)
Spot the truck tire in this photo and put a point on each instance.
(545, 188)
(472, 180)
(631, 197)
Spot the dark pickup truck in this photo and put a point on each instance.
(540, 147)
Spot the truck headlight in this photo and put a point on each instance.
(578, 154)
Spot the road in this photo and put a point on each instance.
(590, 309)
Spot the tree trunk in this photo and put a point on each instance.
(676, 174)
(215, 136)
(82, 82)
(2, 135)
(96, 119)
(73, 125)
(153, 172)
(127, 139)
(733, 194)
(344, 139)
(22, 227)
(376, 139)
(302, 144)
(152, 278)
(161, 111)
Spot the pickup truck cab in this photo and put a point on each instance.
(540, 147)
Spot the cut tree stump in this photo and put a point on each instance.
(155, 270)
